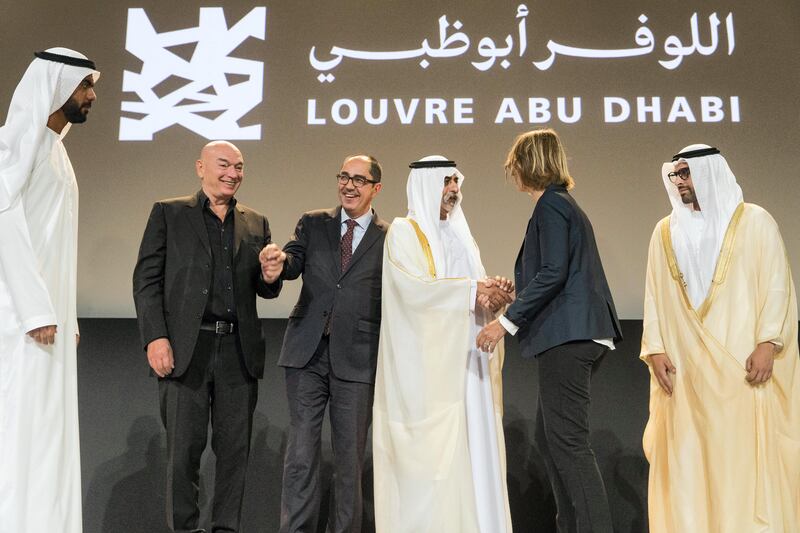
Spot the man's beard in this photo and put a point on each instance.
(689, 198)
(449, 201)
(72, 111)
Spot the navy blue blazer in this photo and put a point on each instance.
(562, 292)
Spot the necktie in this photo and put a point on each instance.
(347, 243)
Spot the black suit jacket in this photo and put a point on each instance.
(172, 279)
(351, 300)
(562, 292)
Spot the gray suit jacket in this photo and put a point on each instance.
(172, 279)
(350, 300)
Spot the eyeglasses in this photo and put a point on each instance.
(682, 174)
(358, 181)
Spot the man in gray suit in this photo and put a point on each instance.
(330, 349)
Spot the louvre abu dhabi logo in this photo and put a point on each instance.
(188, 78)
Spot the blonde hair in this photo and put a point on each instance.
(537, 160)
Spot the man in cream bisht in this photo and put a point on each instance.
(40, 475)
(720, 339)
(438, 447)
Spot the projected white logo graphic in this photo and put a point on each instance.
(188, 78)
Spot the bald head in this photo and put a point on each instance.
(214, 146)
(221, 170)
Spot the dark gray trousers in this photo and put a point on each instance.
(216, 384)
(562, 437)
(309, 391)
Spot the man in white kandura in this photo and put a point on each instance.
(40, 473)
(438, 446)
(720, 339)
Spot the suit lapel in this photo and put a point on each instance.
(334, 231)
(372, 234)
(521, 254)
(239, 228)
(369, 238)
(195, 215)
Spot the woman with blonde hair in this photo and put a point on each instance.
(563, 316)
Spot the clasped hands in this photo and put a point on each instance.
(271, 259)
(494, 293)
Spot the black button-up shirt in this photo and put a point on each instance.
(220, 304)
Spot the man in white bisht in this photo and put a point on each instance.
(438, 446)
(720, 339)
(40, 477)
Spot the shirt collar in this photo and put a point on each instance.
(362, 221)
(556, 186)
(204, 200)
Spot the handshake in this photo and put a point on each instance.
(494, 293)
(271, 259)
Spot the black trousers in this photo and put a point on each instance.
(562, 437)
(309, 391)
(216, 385)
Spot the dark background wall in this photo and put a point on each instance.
(123, 444)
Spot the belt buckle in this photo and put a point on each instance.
(221, 327)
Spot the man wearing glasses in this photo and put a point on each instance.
(720, 339)
(330, 348)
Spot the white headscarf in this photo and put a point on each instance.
(45, 87)
(718, 196)
(424, 190)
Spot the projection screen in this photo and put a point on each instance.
(300, 85)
